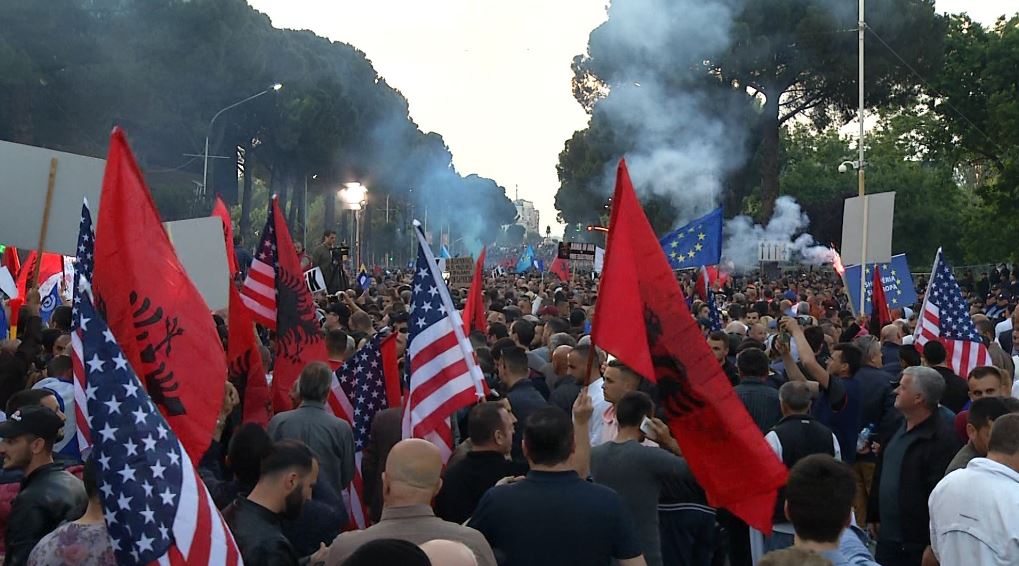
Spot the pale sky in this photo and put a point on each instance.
(492, 77)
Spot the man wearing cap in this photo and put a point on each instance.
(49, 495)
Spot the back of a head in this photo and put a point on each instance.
(819, 497)
(909, 356)
(985, 410)
(286, 455)
(561, 339)
(752, 362)
(548, 437)
(498, 330)
(26, 397)
(793, 556)
(248, 446)
(478, 339)
(557, 325)
(633, 407)
(524, 331)
(61, 318)
(869, 346)
(1005, 435)
(795, 395)
(336, 342)
(59, 366)
(449, 553)
(934, 352)
(314, 382)
(483, 421)
(499, 345)
(814, 336)
(416, 464)
(387, 551)
(577, 317)
(515, 359)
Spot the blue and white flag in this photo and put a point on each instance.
(898, 283)
(50, 293)
(696, 244)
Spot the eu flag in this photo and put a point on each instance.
(696, 244)
(898, 283)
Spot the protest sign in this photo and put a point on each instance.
(461, 271)
(315, 280)
(876, 216)
(898, 283)
(201, 250)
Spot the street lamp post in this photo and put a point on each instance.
(354, 196)
(208, 132)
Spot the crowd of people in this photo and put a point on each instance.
(893, 458)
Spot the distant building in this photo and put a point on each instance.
(527, 216)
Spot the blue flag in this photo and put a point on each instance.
(898, 283)
(539, 265)
(444, 253)
(5, 327)
(363, 279)
(51, 301)
(526, 261)
(696, 244)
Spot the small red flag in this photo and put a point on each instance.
(154, 310)
(878, 304)
(642, 319)
(561, 267)
(474, 309)
(220, 210)
(51, 265)
(11, 260)
(245, 363)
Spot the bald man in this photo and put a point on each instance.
(891, 341)
(410, 482)
(555, 370)
(449, 553)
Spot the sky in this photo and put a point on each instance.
(492, 77)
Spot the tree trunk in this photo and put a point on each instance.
(284, 194)
(249, 172)
(769, 155)
(329, 205)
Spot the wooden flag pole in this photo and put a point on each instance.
(34, 281)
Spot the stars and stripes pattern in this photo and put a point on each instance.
(83, 265)
(945, 317)
(443, 374)
(156, 507)
(259, 291)
(362, 382)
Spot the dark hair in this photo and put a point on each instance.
(577, 317)
(387, 551)
(499, 345)
(482, 422)
(548, 436)
(557, 324)
(328, 233)
(88, 477)
(249, 445)
(752, 362)
(61, 318)
(934, 352)
(314, 382)
(498, 330)
(27, 397)
(1005, 435)
(58, 365)
(524, 331)
(851, 355)
(515, 359)
(615, 363)
(981, 372)
(819, 497)
(336, 341)
(48, 338)
(985, 410)
(719, 336)
(814, 336)
(909, 355)
(286, 454)
(633, 407)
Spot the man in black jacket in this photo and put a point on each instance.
(909, 468)
(49, 495)
(288, 476)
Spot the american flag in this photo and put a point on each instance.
(945, 317)
(703, 288)
(156, 507)
(443, 374)
(84, 262)
(362, 382)
(259, 292)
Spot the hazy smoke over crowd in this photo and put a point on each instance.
(683, 142)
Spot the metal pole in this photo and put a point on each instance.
(861, 164)
(208, 133)
(304, 215)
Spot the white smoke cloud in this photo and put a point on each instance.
(742, 238)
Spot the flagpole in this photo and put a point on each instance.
(862, 26)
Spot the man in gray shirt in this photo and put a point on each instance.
(328, 436)
(637, 472)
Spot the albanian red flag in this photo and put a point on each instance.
(11, 261)
(561, 267)
(219, 209)
(245, 363)
(879, 305)
(50, 265)
(154, 310)
(642, 319)
(474, 309)
(279, 298)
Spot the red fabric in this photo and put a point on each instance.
(642, 319)
(474, 309)
(298, 335)
(220, 210)
(245, 364)
(154, 310)
(11, 260)
(878, 303)
(391, 369)
(703, 282)
(561, 268)
(51, 265)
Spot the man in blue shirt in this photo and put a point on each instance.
(553, 516)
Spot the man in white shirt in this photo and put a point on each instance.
(974, 510)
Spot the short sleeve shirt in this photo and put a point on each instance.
(556, 519)
(72, 544)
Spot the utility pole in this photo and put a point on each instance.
(861, 30)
